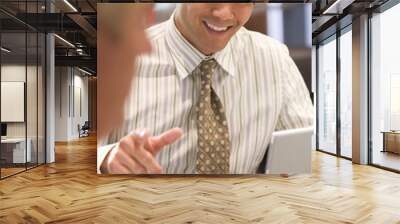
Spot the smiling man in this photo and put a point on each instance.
(224, 87)
(210, 30)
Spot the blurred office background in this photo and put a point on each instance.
(48, 83)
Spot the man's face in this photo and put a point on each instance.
(210, 26)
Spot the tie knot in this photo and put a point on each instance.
(206, 68)
(208, 65)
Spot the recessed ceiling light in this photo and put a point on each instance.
(337, 7)
(70, 5)
(84, 71)
(64, 40)
(5, 50)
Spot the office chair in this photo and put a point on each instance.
(84, 130)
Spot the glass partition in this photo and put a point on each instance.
(15, 152)
(31, 100)
(23, 91)
(41, 91)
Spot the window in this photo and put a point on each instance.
(346, 75)
(385, 89)
(327, 96)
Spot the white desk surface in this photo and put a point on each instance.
(13, 140)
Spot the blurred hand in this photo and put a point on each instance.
(136, 152)
(121, 38)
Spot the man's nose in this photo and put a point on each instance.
(222, 11)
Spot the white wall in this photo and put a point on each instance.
(12, 73)
(70, 84)
(80, 84)
(61, 103)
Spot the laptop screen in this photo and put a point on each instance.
(3, 129)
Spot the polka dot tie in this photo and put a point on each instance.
(212, 128)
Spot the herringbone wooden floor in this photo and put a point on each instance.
(69, 191)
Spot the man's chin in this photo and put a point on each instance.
(215, 48)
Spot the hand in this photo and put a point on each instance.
(135, 153)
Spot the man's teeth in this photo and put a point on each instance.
(217, 28)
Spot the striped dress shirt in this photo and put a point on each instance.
(256, 80)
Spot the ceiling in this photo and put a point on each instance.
(72, 20)
(331, 15)
(76, 22)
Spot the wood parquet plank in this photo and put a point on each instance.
(70, 191)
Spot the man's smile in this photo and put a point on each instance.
(216, 28)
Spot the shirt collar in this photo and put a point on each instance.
(187, 57)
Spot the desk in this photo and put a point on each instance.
(391, 141)
(13, 150)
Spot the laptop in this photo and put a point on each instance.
(290, 152)
(3, 131)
